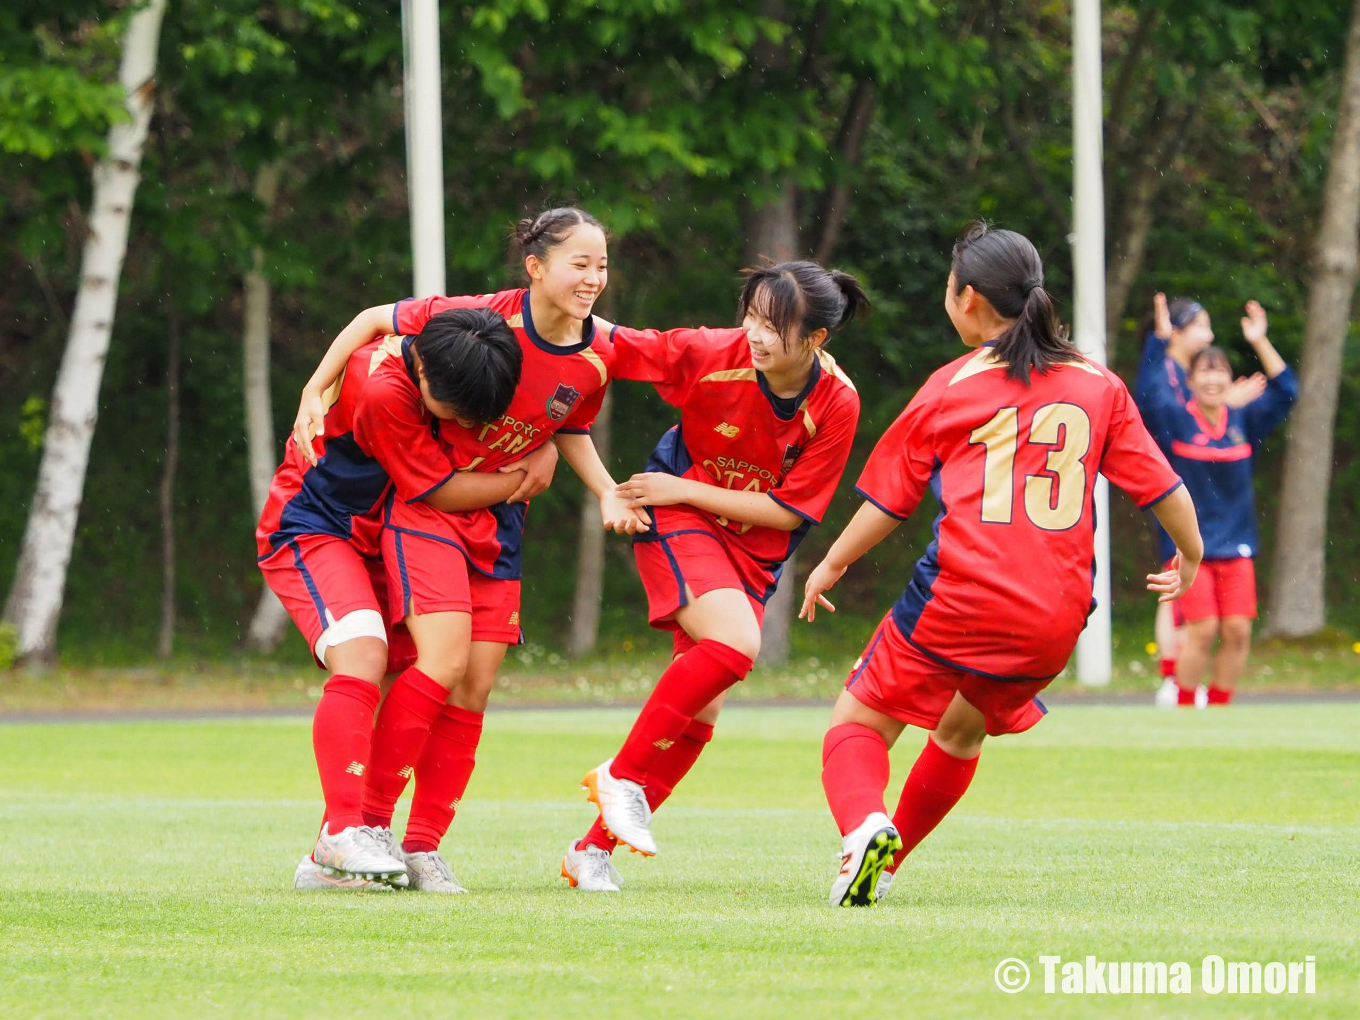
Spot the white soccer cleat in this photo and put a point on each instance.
(387, 839)
(623, 806)
(865, 852)
(429, 872)
(310, 878)
(359, 851)
(1168, 695)
(1201, 697)
(590, 869)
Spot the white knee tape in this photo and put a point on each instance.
(360, 623)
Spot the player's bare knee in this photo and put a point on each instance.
(473, 692)
(446, 668)
(744, 640)
(362, 657)
(1235, 631)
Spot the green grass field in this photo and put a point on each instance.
(149, 866)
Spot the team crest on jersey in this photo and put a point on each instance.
(791, 453)
(561, 402)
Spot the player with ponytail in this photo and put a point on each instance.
(1009, 439)
(766, 423)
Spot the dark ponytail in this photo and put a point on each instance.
(539, 235)
(800, 298)
(1005, 268)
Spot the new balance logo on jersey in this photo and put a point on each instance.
(663, 743)
(514, 619)
(727, 431)
(407, 772)
(355, 768)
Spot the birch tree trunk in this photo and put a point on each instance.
(585, 604)
(1297, 603)
(772, 231)
(270, 620)
(34, 603)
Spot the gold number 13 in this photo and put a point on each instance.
(1054, 499)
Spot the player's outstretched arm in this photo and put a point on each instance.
(1176, 513)
(365, 327)
(866, 529)
(615, 514)
(656, 488)
(472, 490)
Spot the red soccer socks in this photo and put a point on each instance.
(342, 730)
(1219, 695)
(934, 786)
(854, 773)
(442, 777)
(399, 737)
(689, 683)
(666, 773)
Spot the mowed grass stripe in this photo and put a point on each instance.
(149, 868)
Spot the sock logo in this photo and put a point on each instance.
(454, 806)
(355, 768)
(407, 772)
(663, 743)
(514, 619)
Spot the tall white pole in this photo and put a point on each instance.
(1088, 263)
(424, 143)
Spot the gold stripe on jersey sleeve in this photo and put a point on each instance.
(731, 375)
(516, 321)
(1084, 365)
(808, 423)
(980, 362)
(389, 348)
(829, 365)
(598, 362)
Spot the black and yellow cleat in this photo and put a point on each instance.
(865, 852)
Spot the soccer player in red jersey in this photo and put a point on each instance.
(455, 578)
(318, 542)
(1009, 439)
(766, 423)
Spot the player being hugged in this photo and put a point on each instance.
(318, 546)
(1008, 439)
(454, 577)
(1213, 445)
(766, 424)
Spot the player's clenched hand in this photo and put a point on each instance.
(621, 518)
(310, 421)
(1161, 317)
(538, 468)
(822, 578)
(652, 488)
(1176, 580)
(1245, 389)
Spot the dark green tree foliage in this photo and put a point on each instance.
(665, 119)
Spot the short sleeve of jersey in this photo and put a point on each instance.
(390, 426)
(668, 359)
(811, 482)
(410, 315)
(899, 468)
(1131, 459)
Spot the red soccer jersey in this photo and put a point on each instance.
(560, 390)
(1005, 587)
(378, 432)
(735, 433)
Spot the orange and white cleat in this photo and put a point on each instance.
(590, 869)
(623, 806)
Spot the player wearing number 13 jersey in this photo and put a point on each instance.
(1008, 439)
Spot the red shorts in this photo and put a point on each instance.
(430, 574)
(896, 678)
(1222, 588)
(685, 548)
(320, 579)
